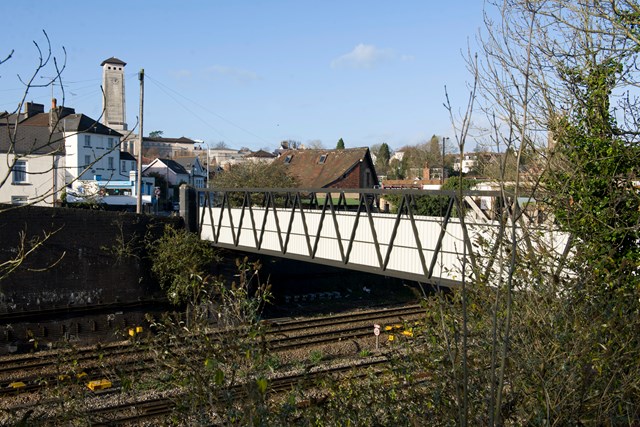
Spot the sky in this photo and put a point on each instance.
(254, 73)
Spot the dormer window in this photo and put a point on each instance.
(287, 159)
(323, 159)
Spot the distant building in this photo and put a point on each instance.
(153, 147)
(197, 172)
(347, 168)
(398, 155)
(226, 157)
(260, 156)
(173, 173)
(466, 163)
(113, 101)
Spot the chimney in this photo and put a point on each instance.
(426, 172)
(54, 115)
(31, 109)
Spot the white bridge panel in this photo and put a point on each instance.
(403, 257)
(401, 252)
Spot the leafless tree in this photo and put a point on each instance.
(18, 142)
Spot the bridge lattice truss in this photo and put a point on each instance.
(351, 229)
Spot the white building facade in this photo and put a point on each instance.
(92, 150)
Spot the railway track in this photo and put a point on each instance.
(283, 335)
(35, 361)
(287, 326)
(152, 408)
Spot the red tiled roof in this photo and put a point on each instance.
(305, 165)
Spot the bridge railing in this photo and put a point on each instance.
(425, 235)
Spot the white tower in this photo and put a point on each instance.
(113, 106)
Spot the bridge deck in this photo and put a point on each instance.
(298, 224)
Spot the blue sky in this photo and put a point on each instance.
(253, 73)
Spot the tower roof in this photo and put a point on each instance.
(113, 60)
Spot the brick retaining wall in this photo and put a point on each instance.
(101, 257)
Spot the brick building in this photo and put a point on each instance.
(347, 168)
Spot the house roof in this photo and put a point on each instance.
(262, 154)
(125, 155)
(85, 124)
(35, 140)
(305, 165)
(181, 140)
(187, 161)
(35, 136)
(113, 60)
(171, 164)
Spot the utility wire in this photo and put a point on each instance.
(167, 89)
(193, 113)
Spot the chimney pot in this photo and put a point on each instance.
(54, 103)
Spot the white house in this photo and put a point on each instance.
(197, 172)
(466, 163)
(52, 150)
(398, 155)
(127, 163)
(32, 160)
(92, 149)
(173, 173)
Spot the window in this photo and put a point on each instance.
(110, 160)
(287, 159)
(323, 159)
(109, 143)
(87, 140)
(87, 161)
(20, 172)
(123, 166)
(18, 200)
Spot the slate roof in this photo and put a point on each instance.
(181, 140)
(31, 140)
(305, 165)
(113, 60)
(82, 123)
(187, 161)
(35, 137)
(261, 154)
(125, 155)
(172, 165)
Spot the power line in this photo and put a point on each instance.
(193, 113)
(165, 88)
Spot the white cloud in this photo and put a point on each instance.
(363, 56)
(181, 74)
(238, 74)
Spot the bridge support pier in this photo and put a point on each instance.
(189, 207)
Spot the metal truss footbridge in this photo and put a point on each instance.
(355, 228)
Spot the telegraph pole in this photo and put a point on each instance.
(139, 180)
